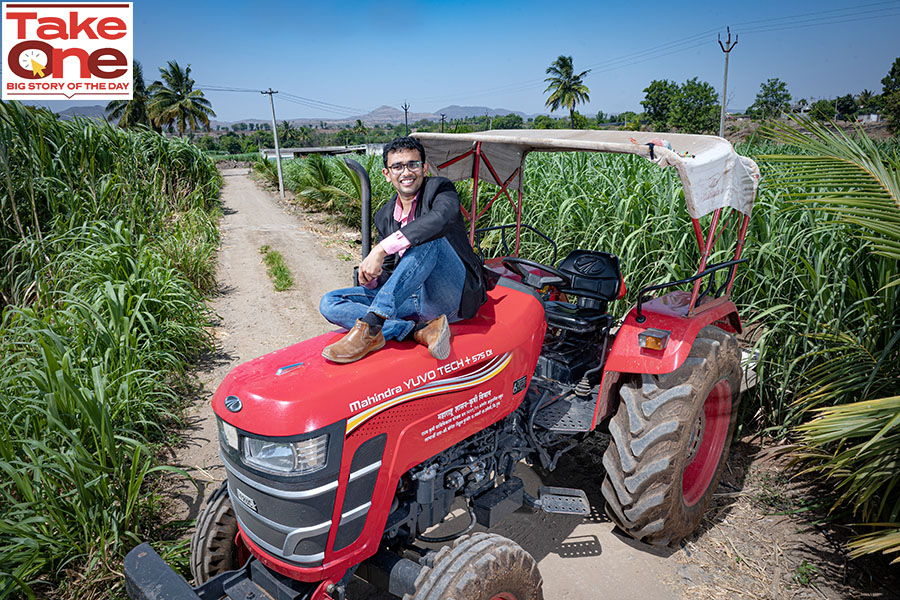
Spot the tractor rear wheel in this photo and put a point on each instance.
(670, 439)
(481, 566)
(213, 546)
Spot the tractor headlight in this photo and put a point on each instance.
(228, 435)
(292, 458)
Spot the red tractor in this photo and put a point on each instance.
(335, 471)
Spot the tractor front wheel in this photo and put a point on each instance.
(213, 546)
(670, 439)
(481, 566)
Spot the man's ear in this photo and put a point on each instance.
(425, 167)
(386, 173)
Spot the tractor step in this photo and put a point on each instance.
(567, 415)
(563, 501)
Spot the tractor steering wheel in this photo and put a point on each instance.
(517, 266)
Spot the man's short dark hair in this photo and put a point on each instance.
(403, 143)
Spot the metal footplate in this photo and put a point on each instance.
(566, 415)
(563, 501)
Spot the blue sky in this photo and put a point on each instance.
(355, 56)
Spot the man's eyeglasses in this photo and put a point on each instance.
(413, 165)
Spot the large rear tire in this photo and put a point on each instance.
(481, 566)
(670, 439)
(213, 546)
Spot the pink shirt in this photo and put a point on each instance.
(396, 243)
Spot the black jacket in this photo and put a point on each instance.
(437, 215)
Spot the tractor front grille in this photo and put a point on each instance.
(291, 524)
(364, 470)
(289, 517)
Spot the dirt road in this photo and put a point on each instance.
(742, 550)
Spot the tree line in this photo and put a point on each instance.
(172, 104)
(693, 106)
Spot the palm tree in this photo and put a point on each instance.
(129, 113)
(305, 136)
(360, 129)
(566, 88)
(865, 99)
(286, 132)
(175, 102)
(856, 446)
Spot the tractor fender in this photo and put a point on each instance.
(669, 313)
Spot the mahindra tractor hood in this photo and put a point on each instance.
(294, 390)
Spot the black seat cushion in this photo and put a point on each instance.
(593, 272)
(566, 315)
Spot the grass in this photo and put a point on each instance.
(107, 241)
(805, 573)
(277, 269)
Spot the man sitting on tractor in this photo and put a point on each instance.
(420, 277)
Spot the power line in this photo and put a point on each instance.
(852, 9)
(727, 47)
(339, 112)
(328, 104)
(220, 88)
(872, 10)
(832, 21)
(888, 8)
(308, 102)
(271, 94)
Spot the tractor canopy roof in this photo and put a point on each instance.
(713, 175)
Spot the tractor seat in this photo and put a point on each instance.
(595, 281)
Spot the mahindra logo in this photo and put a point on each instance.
(246, 500)
(233, 403)
(590, 265)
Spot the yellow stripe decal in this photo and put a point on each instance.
(450, 385)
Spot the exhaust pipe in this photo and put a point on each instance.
(366, 188)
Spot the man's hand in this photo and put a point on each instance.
(370, 267)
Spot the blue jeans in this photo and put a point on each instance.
(426, 283)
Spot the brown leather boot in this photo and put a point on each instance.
(436, 335)
(357, 343)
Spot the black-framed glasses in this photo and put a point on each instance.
(413, 165)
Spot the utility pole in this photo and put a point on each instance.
(726, 48)
(275, 135)
(443, 118)
(405, 108)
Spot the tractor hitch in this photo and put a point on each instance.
(148, 577)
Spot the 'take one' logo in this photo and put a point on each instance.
(81, 49)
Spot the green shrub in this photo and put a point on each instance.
(107, 239)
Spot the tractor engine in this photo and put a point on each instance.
(470, 468)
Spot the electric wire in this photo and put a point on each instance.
(872, 10)
(851, 9)
(329, 104)
(340, 112)
(836, 16)
(293, 98)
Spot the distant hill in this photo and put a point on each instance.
(389, 114)
(455, 111)
(90, 112)
(213, 123)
